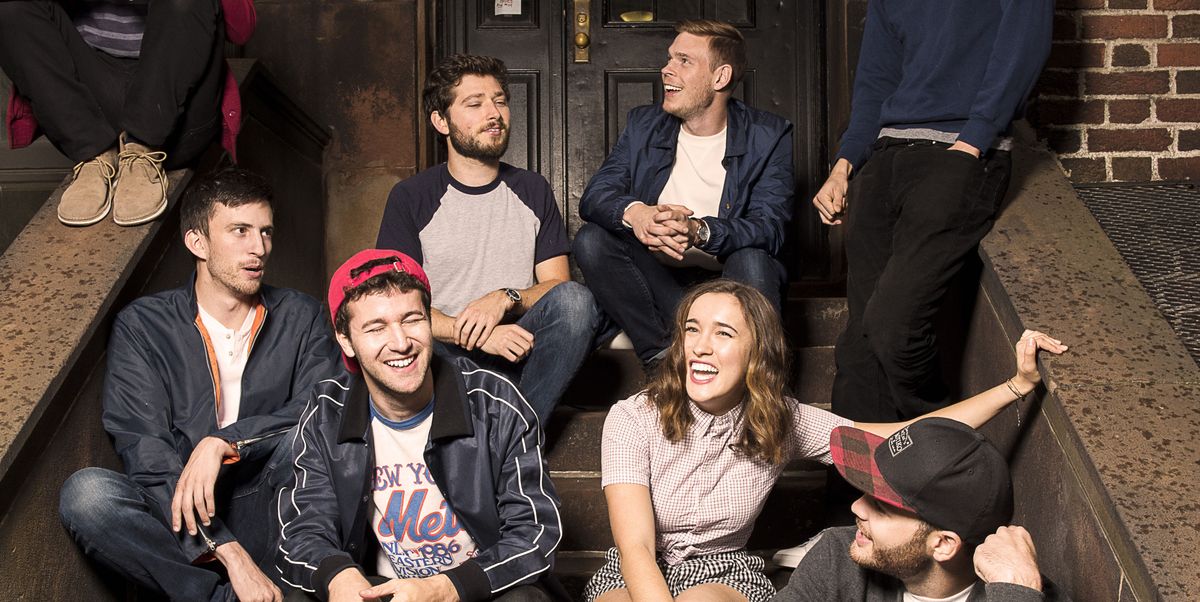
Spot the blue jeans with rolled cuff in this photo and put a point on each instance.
(117, 523)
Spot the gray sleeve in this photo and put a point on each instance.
(817, 577)
(1011, 592)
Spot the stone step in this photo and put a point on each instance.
(792, 513)
(814, 321)
(812, 325)
(574, 430)
(611, 375)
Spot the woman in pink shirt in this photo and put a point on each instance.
(687, 464)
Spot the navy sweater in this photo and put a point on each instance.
(960, 66)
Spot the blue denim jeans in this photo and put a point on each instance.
(117, 523)
(640, 294)
(564, 324)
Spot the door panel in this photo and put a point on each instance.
(525, 96)
(523, 41)
(576, 111)
(667, 12)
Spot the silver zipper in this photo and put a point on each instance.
(239, 445)
(212, 545)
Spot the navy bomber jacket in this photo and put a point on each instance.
(161, 389)
(756, 202)
(484, 452)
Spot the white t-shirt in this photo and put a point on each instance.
(696, 182)
(418, 533)
(959, 597)
(232, 347)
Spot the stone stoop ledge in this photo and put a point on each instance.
(1106, 477)
(58, 286)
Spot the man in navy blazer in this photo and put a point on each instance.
(695, 188)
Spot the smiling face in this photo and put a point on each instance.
(476, 123)
(390, 335)
(234, 253)
(716, 342)
(690, 81)
(890, 540)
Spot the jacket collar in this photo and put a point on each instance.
(736, 128)
(450, 417)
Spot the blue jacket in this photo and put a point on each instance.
(484, 453)
(756, 203)
(161, 388)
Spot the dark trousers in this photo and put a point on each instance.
(170, 98)
(116, 522)
(640, 294)
(916, 212)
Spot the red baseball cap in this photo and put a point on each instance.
(342, 280)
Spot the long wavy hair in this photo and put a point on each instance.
(767, 417)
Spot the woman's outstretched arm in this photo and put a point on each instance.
(977, 410)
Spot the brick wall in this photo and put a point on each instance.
(1120, 97)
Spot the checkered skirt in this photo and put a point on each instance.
(739, 570)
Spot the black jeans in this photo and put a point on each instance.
(170, 98)
(916, 212)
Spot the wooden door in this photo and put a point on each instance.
(567, 114)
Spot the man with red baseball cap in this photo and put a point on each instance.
(931, 524)
(415, 475)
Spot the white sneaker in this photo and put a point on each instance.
(791, 557)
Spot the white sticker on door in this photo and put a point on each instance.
(508, 7)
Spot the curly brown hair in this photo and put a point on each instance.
(767, 417)
(438, 94)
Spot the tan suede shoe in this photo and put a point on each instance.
(88, 197)
(140, 193)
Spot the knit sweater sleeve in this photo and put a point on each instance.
(875, 79)
(1022, 45)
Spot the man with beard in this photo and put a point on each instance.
(492, 240)
(931, 524)
(698, 187)
(201, 384)
(415, 476)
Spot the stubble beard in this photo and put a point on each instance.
(228, 277)
(470, 147)
(687, 111)
(902, 562)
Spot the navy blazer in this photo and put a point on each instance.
(756, 203)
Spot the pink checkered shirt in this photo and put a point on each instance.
(705, 495)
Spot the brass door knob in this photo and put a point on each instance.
(582, 40)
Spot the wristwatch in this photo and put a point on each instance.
(513, 295)
(701, 231)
